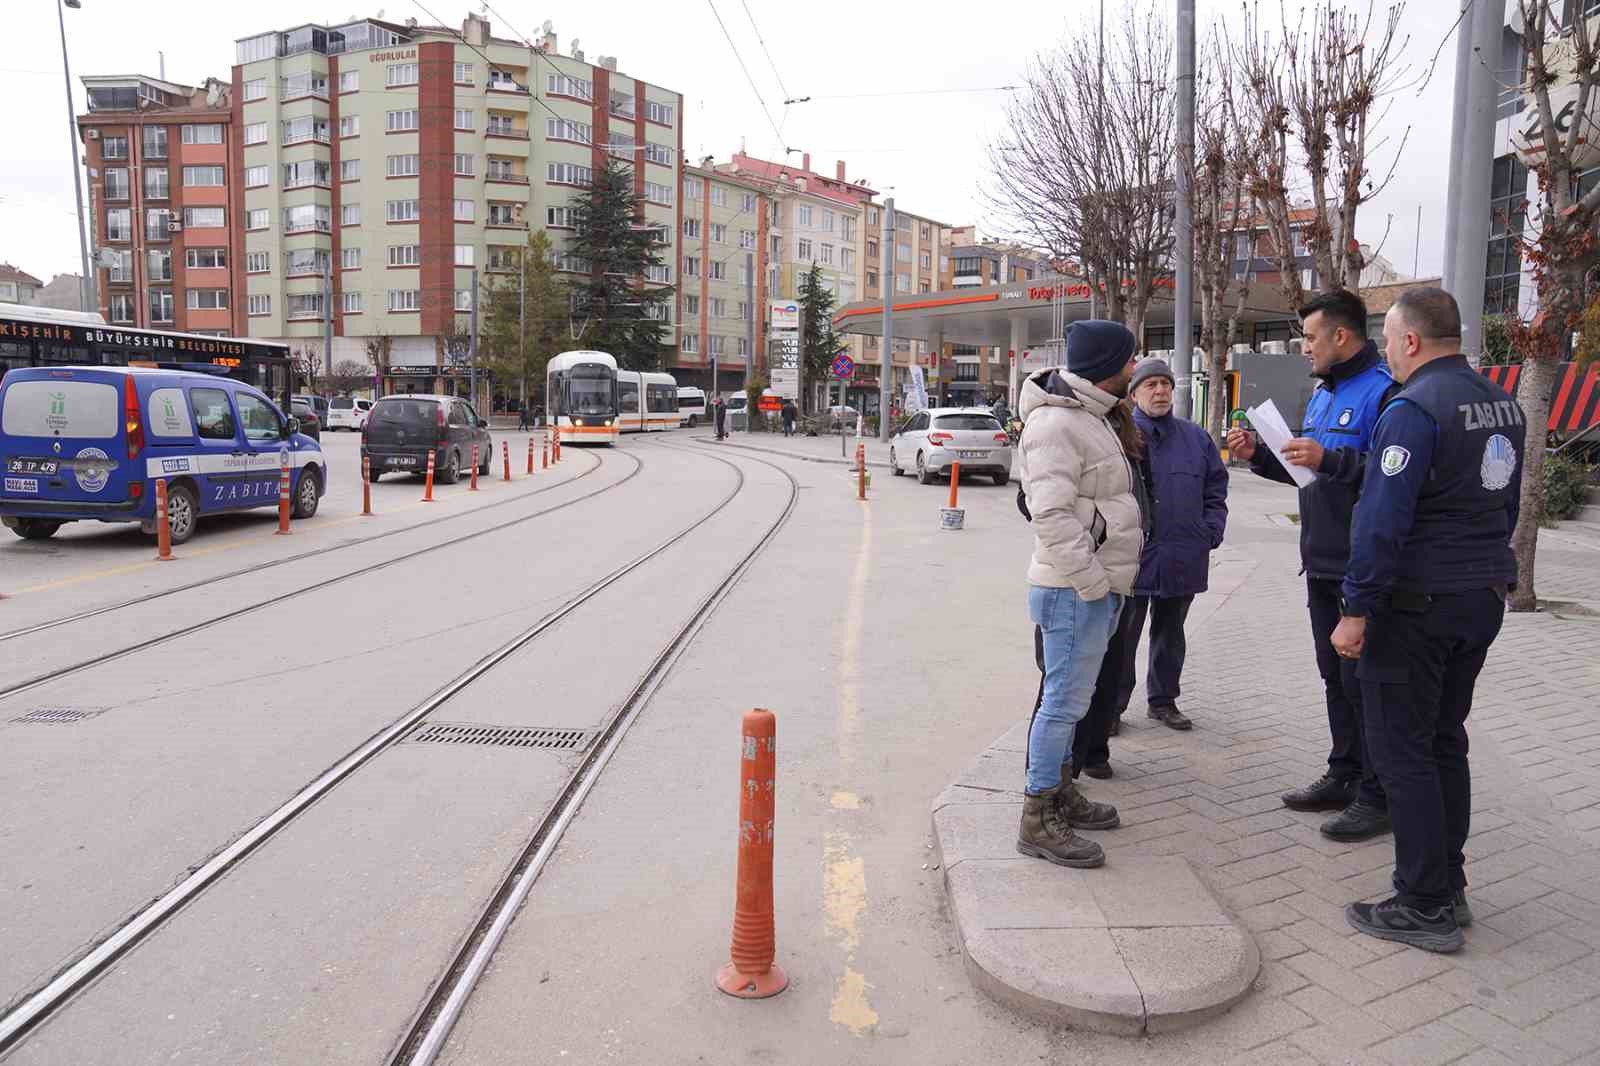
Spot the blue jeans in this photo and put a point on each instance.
(1076, 633)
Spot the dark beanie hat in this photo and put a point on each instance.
(1097, 349)
(1151, 368)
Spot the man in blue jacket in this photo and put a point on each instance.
(1334, 441)
(1191, 487)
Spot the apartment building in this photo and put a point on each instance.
(18, 286)
(914, 248)
(388, 162)
(160, 174)
(724, 280)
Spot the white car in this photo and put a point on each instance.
(930, 441)
(348, 412)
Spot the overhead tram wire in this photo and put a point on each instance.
(904, 92)
(763, 41)
(776, 129)
(489, 63)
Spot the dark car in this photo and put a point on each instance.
(401, 431)
(310, 424)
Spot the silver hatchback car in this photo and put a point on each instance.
(930, 441)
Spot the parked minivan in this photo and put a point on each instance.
(347, 412)
(402, 430)
(319, 404)
(87, 443)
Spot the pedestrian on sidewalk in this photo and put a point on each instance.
(719, 416)
(1334, 441)
(1424, 597)
(789, 413)
(522, 418)
(1088, 529)
(1191, 491)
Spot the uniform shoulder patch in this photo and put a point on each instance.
(1395, 459)
(1499, 463)
(1346, 415)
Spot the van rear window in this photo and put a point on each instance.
(405, 412)
(342, 403)
(88, 410)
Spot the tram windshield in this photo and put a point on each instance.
(589, 396)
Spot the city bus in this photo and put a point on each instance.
(660, 401)
(44, 336)
(580, 396)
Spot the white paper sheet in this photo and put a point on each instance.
(1274, 433)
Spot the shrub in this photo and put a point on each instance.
(1566, 487)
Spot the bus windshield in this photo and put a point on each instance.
(589, 396)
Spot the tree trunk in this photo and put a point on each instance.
(1217, 405)
(1533, 394)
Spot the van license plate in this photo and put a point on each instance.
(22, 484)
(401, 461)
(22, 465)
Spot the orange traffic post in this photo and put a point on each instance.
(555, 451)
(955, 481)
(861, 471)
(751, 972)
(544, 452)
(427, 488)
(366, 486)
(283, 497)
(505, 456)
(530, 455)
(163, 524)
(473, 483)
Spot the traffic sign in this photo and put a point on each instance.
(843, 366)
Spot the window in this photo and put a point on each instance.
(465, 210)
(747, 239)
(155, 142)
(691, 189)
(302, 262)
(258, 218)
(902, 282)
(689, 343)
(569, 174)
(349, 125)
(117, 183)
(564, 129)
(403, 211)
(872, 279)
(401, 74)
(718, 344)
(350, 258)
(872, 216)
(559, 217)
(207, 299)
(464, 255)
(159, 262)
(561, 85)
(349, 81)
(747, 203)
(305, 305)
(349, 214)
(463, 299)
(257, 177)
(255, 133)
(303, 175)
(661, 274)
(122, 269)
(691, 266)
(122, 307)
(658, 153)
(255, 89)
(802, 250)
(463, 74)
(405, 255)
(777, 246)
(351, 303)
(847, 228)
(205, 258)
(350, 169)
(924, 286)
(114, 148)
(655, 112)
(802, 215)
(257, 262)
(464, 118)
(847, 259)
(902, 222)
(404, 166)
(404, 119)
(305, 128)
(307, 218)
(719, 233)
(825, 254)
(405, 300)
(157, 184)
(719, 196)
(464, 166)
(717, 269)
(202, 133)
(872, 250)
(657, 193)
(691, 227)
(160, 305)
(503, 260)
(902, 251)
(213, 417)
(691, 304)
(827, 220)
(204, 216)
(504, 215)
(1508, 207)
(718, 307)
(306, 83)
(259, 305)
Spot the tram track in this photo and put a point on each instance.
(35, 1008)
(226, 616)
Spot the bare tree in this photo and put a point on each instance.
(1085, 165)
(1559, 241)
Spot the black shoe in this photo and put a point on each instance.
(1463, 909)
(1326, 793)
(1116, 725)
(1100, 771)
(1359, 821)
(1171, 717)
(1435, 930)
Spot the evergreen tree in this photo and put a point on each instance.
(614, 303)
(522, 329)
(819, 344)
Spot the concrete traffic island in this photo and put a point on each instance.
(1137, 946)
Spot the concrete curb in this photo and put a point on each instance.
(1138, 946)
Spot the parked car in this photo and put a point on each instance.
(933, 439)
(310, 424)
(83, 443)
(319, 404)
(347, 412)
(402, 431)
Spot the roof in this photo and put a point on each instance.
(818, 184)
(11, 273)
(1379, 298)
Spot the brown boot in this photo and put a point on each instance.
(1046, 835)
(1081, 812)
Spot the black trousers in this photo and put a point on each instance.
(1348, 756)
(1091, 740)
(1168, 648)
(1418, 670)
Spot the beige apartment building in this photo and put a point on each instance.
(382, 163)
(724, 282)
(913, 249)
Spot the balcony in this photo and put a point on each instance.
(508, 81)
(507, 216)
(507, 130)
(505, 175)
(622, 107)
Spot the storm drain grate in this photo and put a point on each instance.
(504, 736)
(60, 715)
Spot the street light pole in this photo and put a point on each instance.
(86, 298)
(1183, 296)
(886, 352)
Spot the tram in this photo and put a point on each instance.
(646, 402)
(581, 396)
(43, 336)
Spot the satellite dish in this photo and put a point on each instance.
(549, 27)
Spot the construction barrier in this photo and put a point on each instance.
(163, 523)
(427, 486)
(283, 497)
(751, 972)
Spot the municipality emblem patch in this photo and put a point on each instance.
(1346, 416)
(1499, 463)
(1394, 460)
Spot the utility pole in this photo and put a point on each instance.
(750, 314)
(1468, 224)
(1183, 306)
(327, 318)
(886, 350)
(472, 342)
(522, 326)
(86, 297)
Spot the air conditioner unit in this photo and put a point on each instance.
(1274, 348)
(174, 226)
(1240, 349)
(1297, 347)
(94, 135)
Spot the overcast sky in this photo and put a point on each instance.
(925, 144)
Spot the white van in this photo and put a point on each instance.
(348, 412)
(691, 406)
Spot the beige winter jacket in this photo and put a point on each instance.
(1087, 534)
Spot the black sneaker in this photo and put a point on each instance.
(1170, 717)
(1463, 909)
(1326, 793)
(1099, 771)
(1359, 821)
(1436, 930)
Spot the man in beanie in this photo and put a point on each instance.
(1089, 527)
(1191, 488)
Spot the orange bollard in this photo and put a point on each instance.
(544, 452)
(861, 471)
(955, 481)
(555, 449)
(283, 498)
(530, 455)
(163, 524)
(505, 456)
(427, 488)
(366, 486)
(751, 972)
(473, 483)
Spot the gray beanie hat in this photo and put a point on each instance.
(1148, 368)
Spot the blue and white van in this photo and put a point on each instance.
(87, 443)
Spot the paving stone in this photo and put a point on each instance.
(1433, 1044)
(1411, 1007)
(1505, 1038)
(1575, 1030)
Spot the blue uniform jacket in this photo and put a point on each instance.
(1341, 416)
(1191, 489)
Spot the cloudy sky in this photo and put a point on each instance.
(908, 103)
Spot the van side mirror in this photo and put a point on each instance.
(291, 428)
